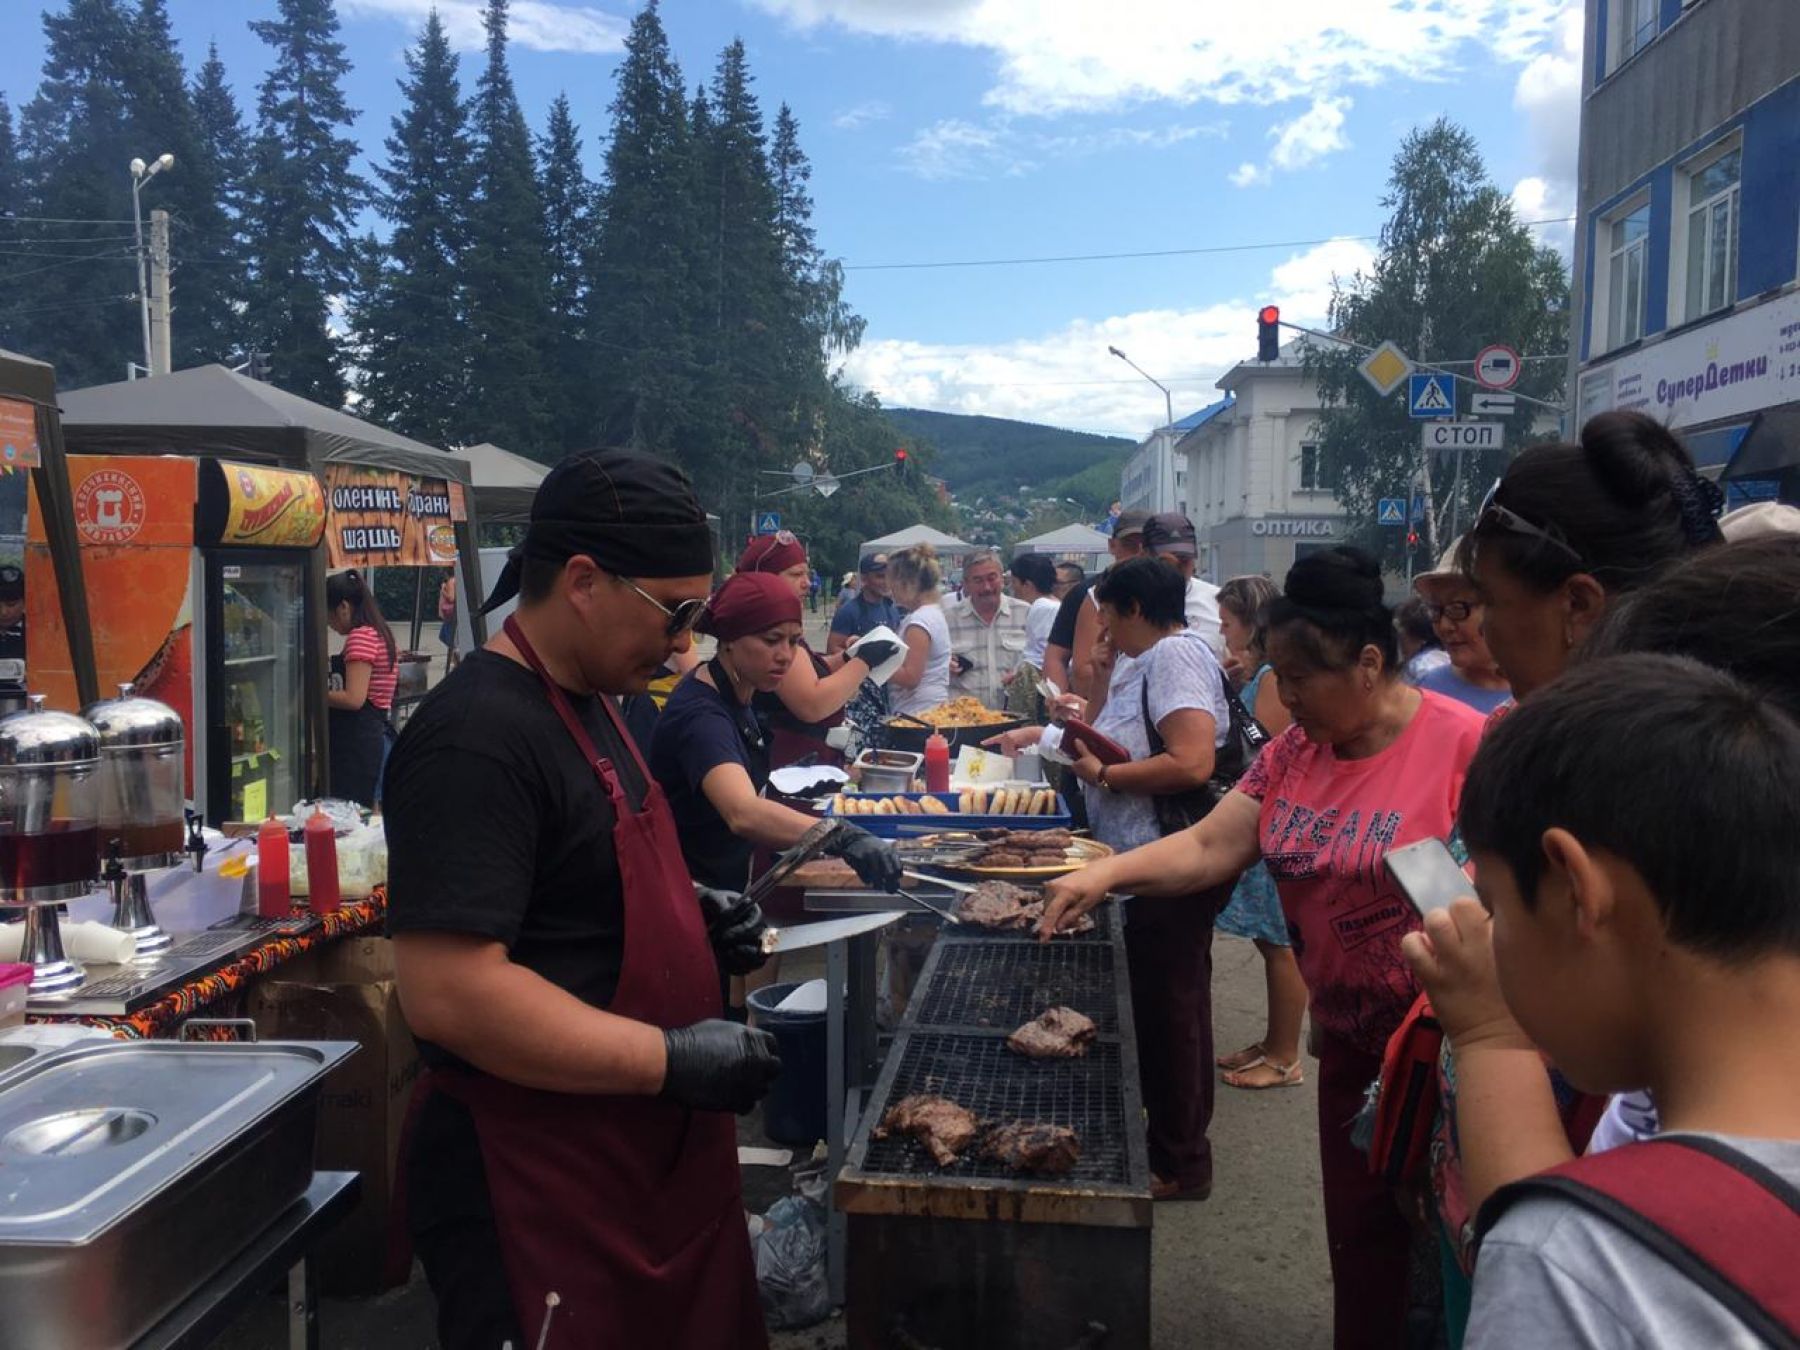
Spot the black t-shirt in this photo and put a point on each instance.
(498, 827)
(1062, 632)
(695, 735)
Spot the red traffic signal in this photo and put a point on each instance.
(900, 460)
(1268, 333)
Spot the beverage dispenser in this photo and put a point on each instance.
(49, 830)
(142, 796)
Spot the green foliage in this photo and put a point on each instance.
(407, 314)
(302, 199)
(210, 276)
(997, 456)
(1456, 272)
(569, 202)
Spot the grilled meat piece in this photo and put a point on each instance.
(1000, 857)
(1058, 1033)
(1048, 1150)
(997, 904)
(945, 1128)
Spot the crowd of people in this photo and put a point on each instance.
(1539, 1104)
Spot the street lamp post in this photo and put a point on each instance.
(142, 173)
(1168, 402)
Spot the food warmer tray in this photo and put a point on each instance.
(131, 1172)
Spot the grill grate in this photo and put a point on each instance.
(1001, 985)
(980, 1074)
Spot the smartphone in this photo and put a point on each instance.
(1429, 874)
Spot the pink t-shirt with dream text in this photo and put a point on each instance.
(1326, 825)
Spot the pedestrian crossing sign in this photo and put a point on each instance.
(1392, 511)
(1430, 396)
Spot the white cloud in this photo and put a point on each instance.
(1547, 96)
(860, 115)
(999, 147)
(1300, 141)
(539, 25)
(1066, 377)
(1056, 56)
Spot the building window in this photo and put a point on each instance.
(1312, 470)
(1634, 27)
(1628, 247)
(1712, 233)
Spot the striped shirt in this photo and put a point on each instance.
(364, 644)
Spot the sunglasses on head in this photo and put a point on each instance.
(1492, 515)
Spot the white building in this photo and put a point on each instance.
(1252, 472)
(1155, 477)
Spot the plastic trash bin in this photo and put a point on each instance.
(794, 1110)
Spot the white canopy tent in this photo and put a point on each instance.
(1072, 543)
(947, 545)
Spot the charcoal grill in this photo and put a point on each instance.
(973, 1254)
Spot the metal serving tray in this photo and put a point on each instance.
(131, 1172)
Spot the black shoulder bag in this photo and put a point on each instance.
(1178, 811)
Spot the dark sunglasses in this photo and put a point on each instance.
(1492, 515)
(1456, 611)
(682, 617)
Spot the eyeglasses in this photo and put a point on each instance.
(1502, 518)
(682, 618)
(1457, 611)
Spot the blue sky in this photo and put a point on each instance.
(945, 130)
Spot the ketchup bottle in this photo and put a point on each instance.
(937, 763)
(321, 863)
(273, 898)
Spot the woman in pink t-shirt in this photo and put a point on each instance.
(1370, 764)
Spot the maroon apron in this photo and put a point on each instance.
(628, 1208)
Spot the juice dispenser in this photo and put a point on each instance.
(142, 795)
(49, 830)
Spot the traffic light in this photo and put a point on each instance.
(1268, 333)
(900, 461)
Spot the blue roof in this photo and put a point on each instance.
(1195, 420)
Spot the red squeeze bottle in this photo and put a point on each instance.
(321, 863)
(937, 763)
(273, 899)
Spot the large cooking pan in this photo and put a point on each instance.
(912, 736)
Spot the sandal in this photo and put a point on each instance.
(1243, 1059)
(1286, 1075)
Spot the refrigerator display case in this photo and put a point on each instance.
(256, 627)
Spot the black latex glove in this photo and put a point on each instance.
(718, 1066)
(874, 651)
(734, 925)
(872, 859)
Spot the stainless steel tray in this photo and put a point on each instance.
(131, 1172)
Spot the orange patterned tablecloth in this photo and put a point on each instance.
(164, 1017)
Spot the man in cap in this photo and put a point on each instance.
(572, 1133)
(1169, 535)
(870, 608)
(987, 632)
(12, 612)
(1069, 655)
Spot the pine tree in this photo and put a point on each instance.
(10, 184)
(568, 202)
(303, 195)
(509, 318)
(211, 267)
(76, 304)
(642, 301)
(413, 353)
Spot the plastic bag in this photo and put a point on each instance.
(790, 1256)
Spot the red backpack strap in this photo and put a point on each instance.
(1725, 1221)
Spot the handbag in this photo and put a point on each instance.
(1244, 740)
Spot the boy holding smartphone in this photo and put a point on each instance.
(1636, 834)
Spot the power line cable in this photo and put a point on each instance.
(72, 304)
(115, 254)
(66, 220)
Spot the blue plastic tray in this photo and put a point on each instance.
(888, 827)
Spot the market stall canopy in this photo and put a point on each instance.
(1771, 448)
(35, 379)
(504, 483)
(1069, 539)
(209, 410)
(916, 534)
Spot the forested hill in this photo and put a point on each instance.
(991, 456)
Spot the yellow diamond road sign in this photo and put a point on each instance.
(1385, 368)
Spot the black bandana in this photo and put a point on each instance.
(633, 514)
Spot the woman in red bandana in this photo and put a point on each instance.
(810, 698)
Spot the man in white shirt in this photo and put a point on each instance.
(1170, 536)
(987, 632)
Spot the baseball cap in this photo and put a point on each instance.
(872, 564)
(1170, 532)
(1130, 523)
(12, 582)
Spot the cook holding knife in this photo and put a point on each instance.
(571, 1134)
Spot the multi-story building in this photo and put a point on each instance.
(1687, 259)
(1256, 482)
(1155, 477)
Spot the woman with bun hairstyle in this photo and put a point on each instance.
(915, 579)
(1569, 527)
(1369, 764)
(364, 677)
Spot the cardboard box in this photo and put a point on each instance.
(345, 991)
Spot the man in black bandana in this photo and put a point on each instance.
(572, 1133)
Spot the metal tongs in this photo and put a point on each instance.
(812, 844)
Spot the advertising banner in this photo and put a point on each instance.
(385, 518)
(18, 435)
(271, 508)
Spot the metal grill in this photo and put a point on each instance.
(1001, 985)
(1108, 922)
(980, 1074)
